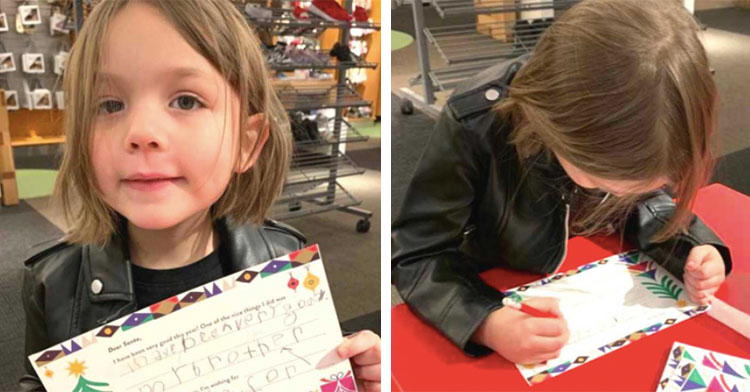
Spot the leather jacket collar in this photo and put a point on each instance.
(244, 245)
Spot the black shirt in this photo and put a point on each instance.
(152, 286)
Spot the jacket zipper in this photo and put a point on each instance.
(565, 239)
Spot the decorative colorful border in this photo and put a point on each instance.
(686, 376)
(181, 301)
(640, 265)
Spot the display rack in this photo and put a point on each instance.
(330, 64)
(309, 98)
(469, 48)
(312, 184)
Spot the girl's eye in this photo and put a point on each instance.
(110, 106)
(187, 102)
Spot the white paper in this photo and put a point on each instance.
(607, 304)
(228, 335)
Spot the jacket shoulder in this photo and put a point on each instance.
(283, 236)
(46, 251)
(479, 94)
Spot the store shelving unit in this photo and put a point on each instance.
(312, 184)
(469, 48)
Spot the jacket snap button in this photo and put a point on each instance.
(492, 94)
(96, 286)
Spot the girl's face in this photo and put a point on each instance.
(615, 187)
(161, 151)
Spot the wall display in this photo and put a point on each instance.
(3, 22)
(7, 62)
(41, 99)
(61, 59)
(30, 15)
(57, 24)
(60, 99)
(33, 63)
(11, 99)
(37, 98)
(11, 96)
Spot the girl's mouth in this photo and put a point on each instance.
(150, 185)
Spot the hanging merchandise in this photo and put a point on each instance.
(11, 96)
(360, 15)
(329, 10)
(60, 59)
(341, 52)
(39, 98)
(30, 15)
(257, 12)
(57, 23)
(7, 61)
(3, 22)
(60, 99)
(33, 63)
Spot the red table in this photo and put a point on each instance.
(423, 360)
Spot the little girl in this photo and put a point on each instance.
(616, 104)
(176, 148)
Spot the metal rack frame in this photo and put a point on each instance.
(312, 183)
(309, 98)
(331, 64)
(467, 51)
(460, 7)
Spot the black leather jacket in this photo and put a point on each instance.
(57, 289)
(469, 178)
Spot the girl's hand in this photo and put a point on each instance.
(704, 273)
(524, 339)
(363, 348)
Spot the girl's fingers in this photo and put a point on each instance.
(363, 348)
(696, 256)
(704, 284)
(368, 373)
(704, 261)
(541, 345)
(698, 290)
(700, 296)
(547, 326)
(371, 386)
(539, 358)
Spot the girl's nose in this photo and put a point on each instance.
(144, 135)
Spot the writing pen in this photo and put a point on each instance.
(528, 309)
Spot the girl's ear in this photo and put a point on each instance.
(253, 136)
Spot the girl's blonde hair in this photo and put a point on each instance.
(621, 89)
(216, 30)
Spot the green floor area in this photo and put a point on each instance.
(400, 40)
(35, 182)
(367, 127)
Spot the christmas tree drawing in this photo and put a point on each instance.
(85, 385)
(76, 368)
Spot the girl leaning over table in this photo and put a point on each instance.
(610, 118)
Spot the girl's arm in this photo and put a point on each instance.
(650, 216)
(436, 279)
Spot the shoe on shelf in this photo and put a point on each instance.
(341, 52)
(360, 15)
(329, 10)
(300, 13)
(277, 54)
(312, 129)
(256, 12)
